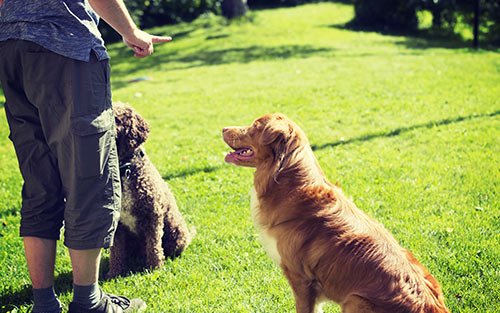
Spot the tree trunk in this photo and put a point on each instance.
(475, 43)
(437, 18)
(234, 8)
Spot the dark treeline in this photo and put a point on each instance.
(401, 15)
(386, 15)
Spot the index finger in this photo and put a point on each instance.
(159, 39)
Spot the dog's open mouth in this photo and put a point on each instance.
(239, 155)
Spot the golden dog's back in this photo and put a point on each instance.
(346, 253)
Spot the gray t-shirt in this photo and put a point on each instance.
(66, 27)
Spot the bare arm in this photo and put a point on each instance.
(115, 13)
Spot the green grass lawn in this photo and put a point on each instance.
(408, 126)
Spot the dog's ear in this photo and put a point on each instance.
(131, 129)
(278, 129)
(138, 130)
(280, 136)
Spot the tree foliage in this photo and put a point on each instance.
(233, 8)
(275, 3)
(400, 15)
(150, 13)
(446, 14)
(387, 14)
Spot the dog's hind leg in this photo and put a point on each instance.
(176, 235)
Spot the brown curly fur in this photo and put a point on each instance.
(326, 246)
(151, 226)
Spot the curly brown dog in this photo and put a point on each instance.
(326, 246)
(151, 226)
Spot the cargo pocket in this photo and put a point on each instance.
(92, 139)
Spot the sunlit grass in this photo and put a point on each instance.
(409, 127)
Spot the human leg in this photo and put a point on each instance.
(85, 264)
(43, 200)
(62, 127)
(40, 256)
(87, 296)
(90, 173)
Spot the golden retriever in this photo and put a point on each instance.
(327, 248)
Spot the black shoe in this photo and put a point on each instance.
(111, 304)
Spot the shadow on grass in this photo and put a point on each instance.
(135, 267)
(191, 171)
(163, 60)
(10, 301)
(10, 212)
(63, 284)
(420, 39)
(367, 137)
(401, 130)
(249, 54)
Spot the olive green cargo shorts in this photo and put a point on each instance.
(62, 127)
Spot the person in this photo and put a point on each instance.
(54, 72)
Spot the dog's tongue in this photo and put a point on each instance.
(231, 157)
(238, 154)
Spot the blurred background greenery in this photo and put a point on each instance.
(477, 21)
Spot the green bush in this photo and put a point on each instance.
(150, 13)
(401, 15)
(489, 19)
(275, 3)
(443, 13)
(160, 12)
(386, 14)
(446, 13)
(492, 16)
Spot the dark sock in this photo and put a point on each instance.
(87, 296)
(45, 300)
